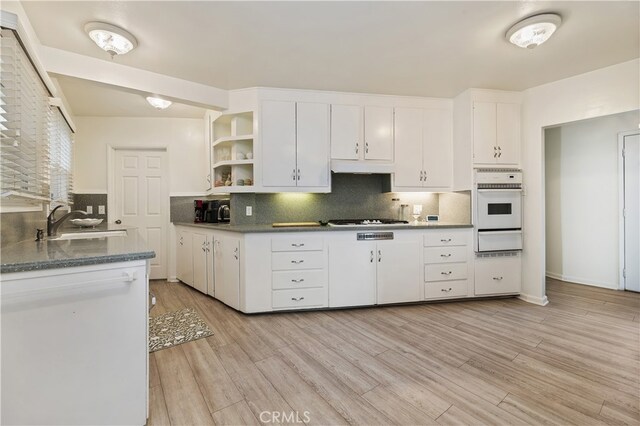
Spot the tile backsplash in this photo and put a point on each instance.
(352, 196)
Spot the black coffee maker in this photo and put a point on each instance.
(199, 207)
(217, 211)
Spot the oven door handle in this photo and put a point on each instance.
(500, 190)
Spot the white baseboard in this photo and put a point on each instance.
(173, 279)
(542, 301)
(578, 280)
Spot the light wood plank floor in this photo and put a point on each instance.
(498, 362)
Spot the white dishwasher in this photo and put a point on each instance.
(74, 345)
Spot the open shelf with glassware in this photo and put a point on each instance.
(232, 152)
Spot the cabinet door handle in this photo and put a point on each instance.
(445, 240)
(446, 290)
(421, 175)
(297, 245)
(297, 262)
(371, 259)
(366, 147)
(298, 175)
(495, 154)
(498, 278)
(357, 147)
(445, 273)
(204, 249)
(379, 256)
(293, 175)
(446, 255)
(297, 299)
(499, 154)
(499, 149)
(298, 280)
(235, 253)
(424, 176)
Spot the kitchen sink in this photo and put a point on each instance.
(90, 234)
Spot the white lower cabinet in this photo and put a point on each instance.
(298, 272)
(352, 273)
(368, 273)
(194, 263)
(226, 266)
(75, 345)
(498, 273)
(448, 264)
(184, 257)
(263, 272)
(200, 252)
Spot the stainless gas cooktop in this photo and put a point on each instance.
(366, 222)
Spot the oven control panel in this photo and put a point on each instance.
(367, 236)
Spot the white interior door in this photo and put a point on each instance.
(632, 212)
(141, 192)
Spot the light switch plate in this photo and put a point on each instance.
(101, 210)
(90, 209)
(249, 210)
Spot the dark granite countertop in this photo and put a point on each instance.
(51, 253)
(268, 228)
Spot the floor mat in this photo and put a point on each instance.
(174, 328)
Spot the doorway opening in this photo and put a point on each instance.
(583, 200)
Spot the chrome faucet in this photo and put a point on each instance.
(53, 225)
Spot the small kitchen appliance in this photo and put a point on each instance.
(217, 211)
(199, 207)
(498, 209)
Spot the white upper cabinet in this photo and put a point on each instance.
(361, 137)
(346, 132)
(312, 135)
(278, 138)
(295, 144)
(378, 133)
(409, 147)
(508, 133)
(496, 133)
(422, 148)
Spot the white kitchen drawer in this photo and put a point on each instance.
(498, 274)
(446, 289)
(298, 279)
(445, 272)
(302, 298)
(296, 244)
(446, 238)
(285, 261)
(445, 254)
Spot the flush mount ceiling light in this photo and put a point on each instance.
(114, 40)
(534, 30)
(158, 103)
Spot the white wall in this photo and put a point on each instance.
(581, 199)
(606, 91)
(183, 138)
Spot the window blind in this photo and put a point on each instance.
(24, 120)
(60, 154)
(35, 139)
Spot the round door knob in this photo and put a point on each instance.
(118, 222)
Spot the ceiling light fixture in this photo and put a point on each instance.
(114, 40)
(158, 103)
(534, 30)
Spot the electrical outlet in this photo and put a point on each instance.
(89, 209)
(101, 210)
(249, 211)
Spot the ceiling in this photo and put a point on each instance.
(404, 48)
(88, 98)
